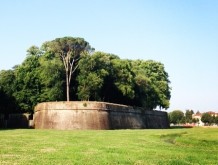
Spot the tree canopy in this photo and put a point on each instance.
(188, 116)
(176, 117)
(69, 50)
(45, 75)
(207, 118)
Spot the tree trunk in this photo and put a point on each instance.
(67, 86)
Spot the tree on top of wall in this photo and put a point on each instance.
(69, 49)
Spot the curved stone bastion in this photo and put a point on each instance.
(95, 115)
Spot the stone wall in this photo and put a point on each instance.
(96, 115)
(15, 121)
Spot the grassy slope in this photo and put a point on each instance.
(174, 146)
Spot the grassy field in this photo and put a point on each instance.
(172, 146)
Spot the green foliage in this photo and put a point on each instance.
(89, 86)
(96, 76)
(7, 103)
(69, 50)
(105, 77)
(176, 117)
(37, 79)
(51, 77)
(27, 81)
(7, 81)
(216, 120)
(194, 120)
(123, 77)
(188, 115)
(152, 84)
(92, 73)
(207, 118)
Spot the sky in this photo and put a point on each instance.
(181, 34)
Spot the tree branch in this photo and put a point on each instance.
(63, 59)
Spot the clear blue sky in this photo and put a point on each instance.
(182, 34)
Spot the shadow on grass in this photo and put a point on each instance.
(180, 127)
(9, 129)
(6, 129)
(171, 138)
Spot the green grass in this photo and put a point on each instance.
(172, 146)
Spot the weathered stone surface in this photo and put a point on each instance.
(95, 115)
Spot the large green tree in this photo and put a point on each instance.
(69, 49)
(151, 84)
(123, 78)
(7, 88)
(7, 83)
(27, 82)
(105, 77)
(207, 119)
(100, 76)
(93, 71)
(188, 115)
(176, 116)
(51, 76)
(108, 78)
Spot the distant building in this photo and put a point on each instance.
(198, 116)
(213, 113)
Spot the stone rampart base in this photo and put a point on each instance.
(95, 115)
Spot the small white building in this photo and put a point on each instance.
(197, 116)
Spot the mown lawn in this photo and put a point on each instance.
(172, 146)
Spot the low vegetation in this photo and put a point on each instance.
(172, 146)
